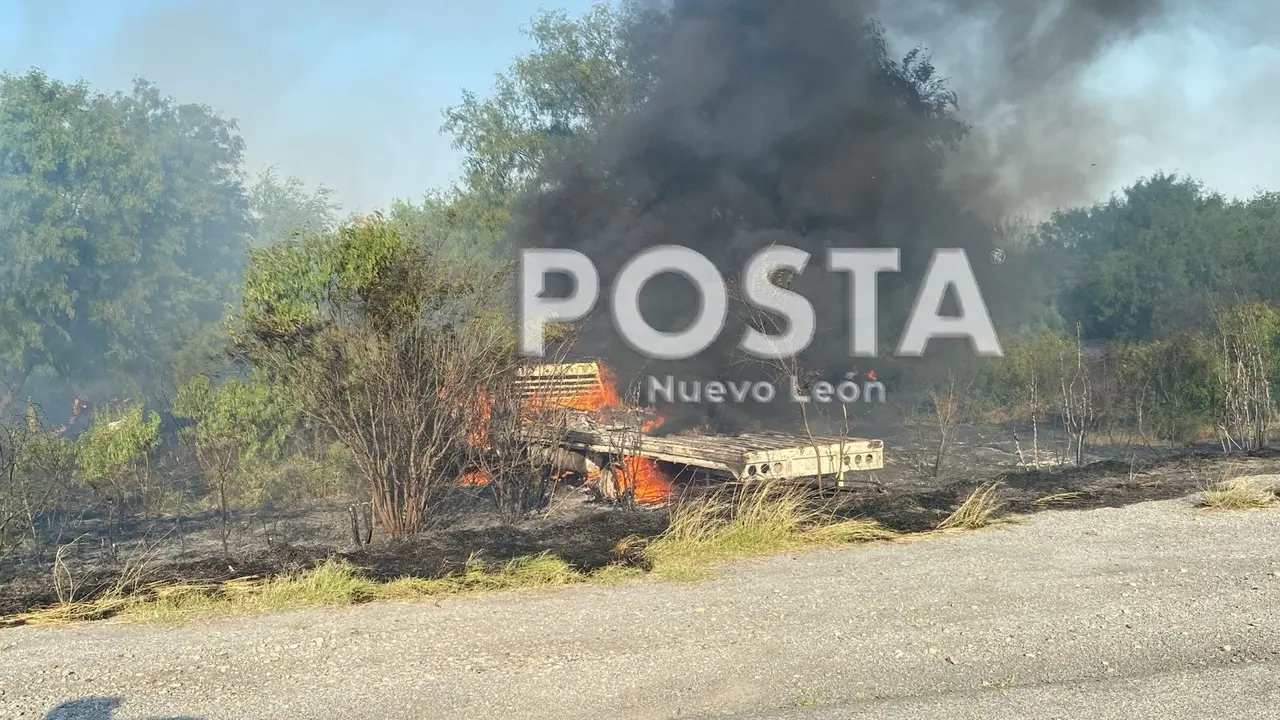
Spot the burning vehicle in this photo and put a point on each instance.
(615, 446)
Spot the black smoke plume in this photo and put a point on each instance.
(791, 123)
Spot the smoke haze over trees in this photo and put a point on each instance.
(130, 224)
(123, 222)
(724, 126)
(360, 116)
(732, 126)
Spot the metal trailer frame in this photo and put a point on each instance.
(744, 456)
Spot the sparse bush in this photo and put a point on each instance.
(298, 476)
(235, 424)
(1249, 351)
(40, 470)
(1182, 370)
(1078, 400)
(518, 478)
(1174, 389)
(35, 479)
(114, 458)
(1030, 374)
(390, 347)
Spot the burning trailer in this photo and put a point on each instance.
(614, 446)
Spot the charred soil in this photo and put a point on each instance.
(905, 496)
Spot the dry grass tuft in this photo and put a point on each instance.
(758, 519)
(1057, 498)
(978, 510)
(71, 607)
(1241, 493)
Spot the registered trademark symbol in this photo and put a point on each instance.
(997, 256)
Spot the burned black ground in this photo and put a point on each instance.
(905, 497)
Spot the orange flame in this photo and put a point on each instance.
(604, 396)
(478, 436)
(642, 476)
(646, 481)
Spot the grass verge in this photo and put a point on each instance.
(758, 520)
(333, 583)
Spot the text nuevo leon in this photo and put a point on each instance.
(848, 390)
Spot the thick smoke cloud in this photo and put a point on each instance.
(350, 94)
(792, 123)
(1042, 136)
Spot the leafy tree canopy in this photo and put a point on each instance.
(281, 207)
(581, 72)
(123, 222)
(1160, 255)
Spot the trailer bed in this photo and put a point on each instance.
(741, 456)
(599, 429)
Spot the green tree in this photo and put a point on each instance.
(1258, 245)
(122, 224)
(1152, 260)
(466, 226)
(580, 73)
(386, 346)
(283, 207)
(115, 451)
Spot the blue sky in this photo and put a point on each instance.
(350, 93)
(345, 93)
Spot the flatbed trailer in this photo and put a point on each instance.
(742, 456)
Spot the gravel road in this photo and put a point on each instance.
(1152, 610)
